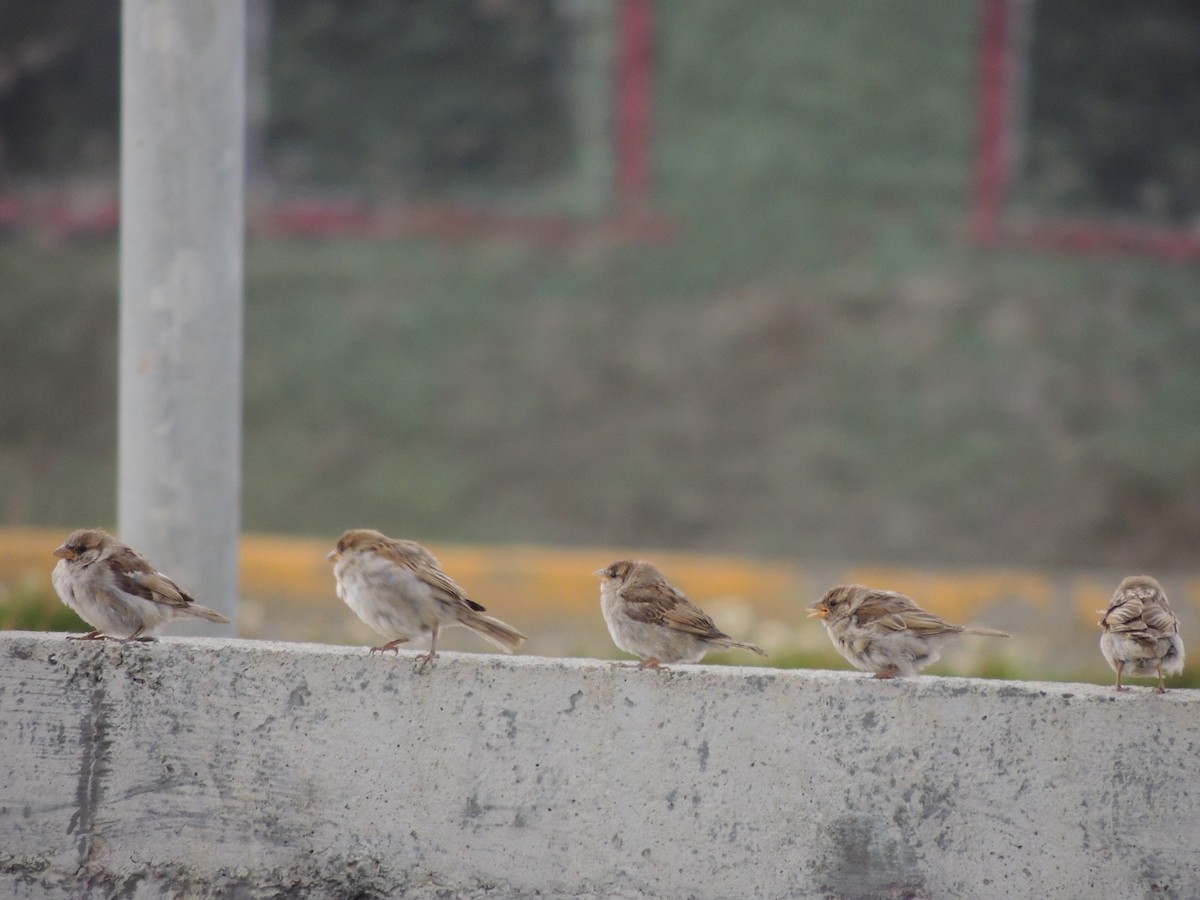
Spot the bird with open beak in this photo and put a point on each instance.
(884, 632)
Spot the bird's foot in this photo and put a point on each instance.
(394, 646)
(90, 636)
(426, 659)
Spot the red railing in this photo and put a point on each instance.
(990, 227)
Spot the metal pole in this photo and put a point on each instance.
(179, 402)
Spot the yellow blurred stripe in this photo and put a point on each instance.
(538, 582)
(25, 553)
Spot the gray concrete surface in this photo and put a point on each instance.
(204, 767)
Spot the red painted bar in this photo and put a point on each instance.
(992, 158)
(634, 101)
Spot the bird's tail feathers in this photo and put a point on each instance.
(195, 609)
(986, 632)
(503, 636)
(739, 645)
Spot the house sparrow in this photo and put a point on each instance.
(885, 632)
(1141, 634)
(398, 588)
(115, 590)
(649, 618)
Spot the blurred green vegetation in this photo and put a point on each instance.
(821, 365)
(60, 89)
(30, 607)
(351, 100)
(1000, 407)
(458, 92)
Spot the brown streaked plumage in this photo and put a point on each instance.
(114, 588)
(1141, 633)
(399, 589)
(649, 618)
(885, 632)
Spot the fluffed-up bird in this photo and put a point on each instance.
(884, 632)
(1141, 633)
(115, 590)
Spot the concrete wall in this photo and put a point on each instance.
(195, 767)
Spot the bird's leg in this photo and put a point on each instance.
(889, 672)
(431, 655)
(394, 646)
(1160, 689)
(133, 637)
(1120, 665)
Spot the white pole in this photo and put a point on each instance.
(179, 402)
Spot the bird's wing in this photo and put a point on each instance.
(661, 604)
(891, 611)
(1125, 613)
(424, 565)
(446, 588)
(135, 576)
(1159, 619)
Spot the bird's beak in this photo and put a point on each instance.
(64, 552)
(332, 555)
(601, 573)
(818, 609)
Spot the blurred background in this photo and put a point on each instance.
(782, 293)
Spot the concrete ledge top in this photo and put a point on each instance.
(22, 642)
(214, 767)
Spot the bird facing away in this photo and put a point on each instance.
(115, 590)
(649, 618)
(885, 632)
(398, 588)
(1141, 633)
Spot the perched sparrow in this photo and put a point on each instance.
(398, 588)
(649, 618)
(1141, 634)
(112, 588)
(885, 632)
